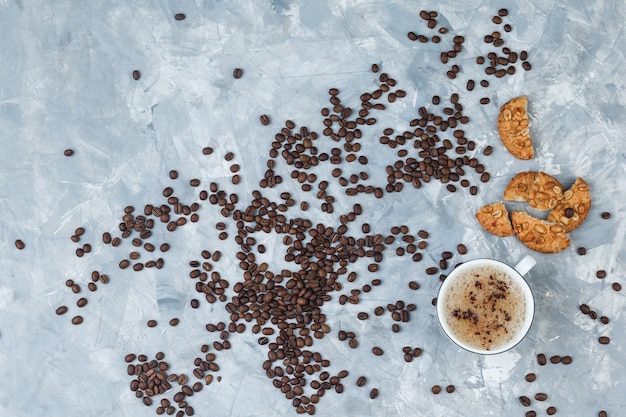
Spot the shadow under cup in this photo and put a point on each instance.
(519, 289)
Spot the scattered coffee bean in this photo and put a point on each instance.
(77, 319)
(531, 377)
(601, 274)
(20, 244)
(360, 382)
(179, 16)
(237, 73)
(555, 359)
(485, 100)
(604, 340)
(377, 351)
(566, 360)
(152, 323)
(174, 322)
(603, 414)
(265, 119)
(540, 396)
(82, 302)
(374, 393)
(605, 215)
(524, 400)
(450, 389)
(61, 310)
(136, 75)
(436, 389)
(531, 413)
(616, 286)
(551, 411)
(582, 251)
(541, 359)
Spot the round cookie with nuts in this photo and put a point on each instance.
(539, 235)
(573, 208)
(513, 128)
(542, 191)
(494, 218)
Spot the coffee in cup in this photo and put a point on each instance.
(486, 306)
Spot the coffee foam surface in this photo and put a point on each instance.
(484, 307)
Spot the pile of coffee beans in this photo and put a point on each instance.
(501, 61)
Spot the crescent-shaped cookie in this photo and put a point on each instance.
(513, 128)
(539, 235)
(494, 218)
(541, 190)
(573, 208)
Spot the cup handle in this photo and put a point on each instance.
(525, 265)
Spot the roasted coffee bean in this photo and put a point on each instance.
(541, 359)
(531, 413)
(582, 251)
(77, 319)
(585, 309)
(92, 286)
(450, 389)
(136, 75)
(373, 393)
(431, 271)
(237, 73)
(82, 302)
(360, 382)
(130, 357)
(540, 396)
(151, 323)
(61, 310)
(124, 263)
(605, 215)
(470, 85)
(362, 315)
(20, 244)
(566, 360)
(603, 414)
(75, 288)
(593, 315)
(435, 389)
(524, 400)
(526, 65)
(531, 377)
(485, 100)
(551, 411)
(414, 285)
(616, 286)
(377, 351)
(601, 274)
(604, 340)
(68, 152)
(179, 16)
(555, 359)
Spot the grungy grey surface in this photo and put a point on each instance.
(66, 82)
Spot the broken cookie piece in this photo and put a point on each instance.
(573, 208)
(513, 128)
(542, 191)
(539, 235)
(494, 218)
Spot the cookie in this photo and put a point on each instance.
(539, 235)
(494, 218)
(573, 208)
(513, 128)
(541, 190)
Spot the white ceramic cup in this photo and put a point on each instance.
(445, 304)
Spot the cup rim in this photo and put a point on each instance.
(528, 320)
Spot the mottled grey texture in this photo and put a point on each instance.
(66, 82)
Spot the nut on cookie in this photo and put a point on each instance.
(539, 235)
(541, 190)
(573, 208)
(494, 218)
(513, 128)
